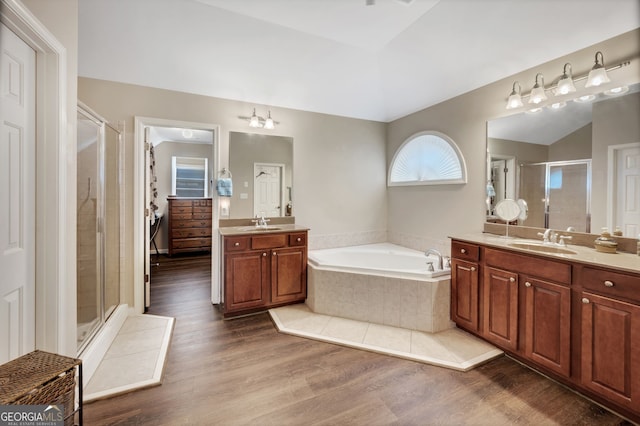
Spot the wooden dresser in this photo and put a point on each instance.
(189, 224)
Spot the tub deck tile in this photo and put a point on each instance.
(452, 348)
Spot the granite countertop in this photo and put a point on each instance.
(624, 262)
(253, 230)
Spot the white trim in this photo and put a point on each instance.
(54, 282)
(138, 205)
(612, 182)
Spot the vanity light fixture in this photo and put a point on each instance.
(268, 123)
(515, 99)
(598, 74)
(254, 121)
(565, 84)
(537, 93)
(558, 105)
(258, 122)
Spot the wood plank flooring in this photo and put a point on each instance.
(243, 372)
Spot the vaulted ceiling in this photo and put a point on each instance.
(343, 57)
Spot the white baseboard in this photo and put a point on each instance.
(94, 352)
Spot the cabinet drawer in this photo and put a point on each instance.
(191, 224)
(181, 216)
(465, 251)
(537, 267)
(611, 283)
(191, 233)
(202, 203)
(180, 203)
(206, 210)
(269, 241)
(178, 210)
(299, 239)
(200, 216)
(191, 243)
(236, 243)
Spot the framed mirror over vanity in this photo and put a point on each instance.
(576, 167)
(262, 167)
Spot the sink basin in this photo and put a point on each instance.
(541, 247)
(259, 229)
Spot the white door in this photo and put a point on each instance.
(17, 196)
(628, 190)
(267, 190)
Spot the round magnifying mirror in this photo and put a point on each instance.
(524, 209)
(508, 210)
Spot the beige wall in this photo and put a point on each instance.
(575, 146)
(339, 164)
(431, 213)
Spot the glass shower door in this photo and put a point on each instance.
(88, 247)
(98, 223)
(568, 194)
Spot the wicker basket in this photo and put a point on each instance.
(41, 378)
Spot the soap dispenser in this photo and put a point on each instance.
(604, 243)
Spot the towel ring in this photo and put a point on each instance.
(225, 172)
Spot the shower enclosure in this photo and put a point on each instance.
(98, 222)
(558, 194)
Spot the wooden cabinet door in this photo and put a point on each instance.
(464, 294)
(500, 307)
(547, 339)
(246, 280)
(288, 275)
(611, 349)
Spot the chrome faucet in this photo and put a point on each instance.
(549, 236)
(438, 254)
(261, 222)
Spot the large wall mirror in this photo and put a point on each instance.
(262, 171)
(577, 166)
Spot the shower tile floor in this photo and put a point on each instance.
(134, 360)
(452, 348)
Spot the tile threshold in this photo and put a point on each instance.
(94, 391)
(450, 358)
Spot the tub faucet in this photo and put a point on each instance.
(438, 254)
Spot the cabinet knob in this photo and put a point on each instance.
(463, 251)
(527, 284)
(585, 300)
(274, 254)
(264, 254)
(608, 283)
(237, 244)
(298, 239)
(473, 268)
(511, 279)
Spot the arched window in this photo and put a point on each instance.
(427, 158)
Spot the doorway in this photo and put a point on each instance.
(150, 207)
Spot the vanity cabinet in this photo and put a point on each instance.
(577, 323)
(500, 307)
(264, 270)
(610, 335)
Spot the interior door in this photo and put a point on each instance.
(268, 189)
(17, 196)
(627, 201)
(147, 219)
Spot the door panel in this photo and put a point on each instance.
(17, 196)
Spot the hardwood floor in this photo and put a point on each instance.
(243, 371)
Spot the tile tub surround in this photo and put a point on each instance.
(451, 348)
(406, 303)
